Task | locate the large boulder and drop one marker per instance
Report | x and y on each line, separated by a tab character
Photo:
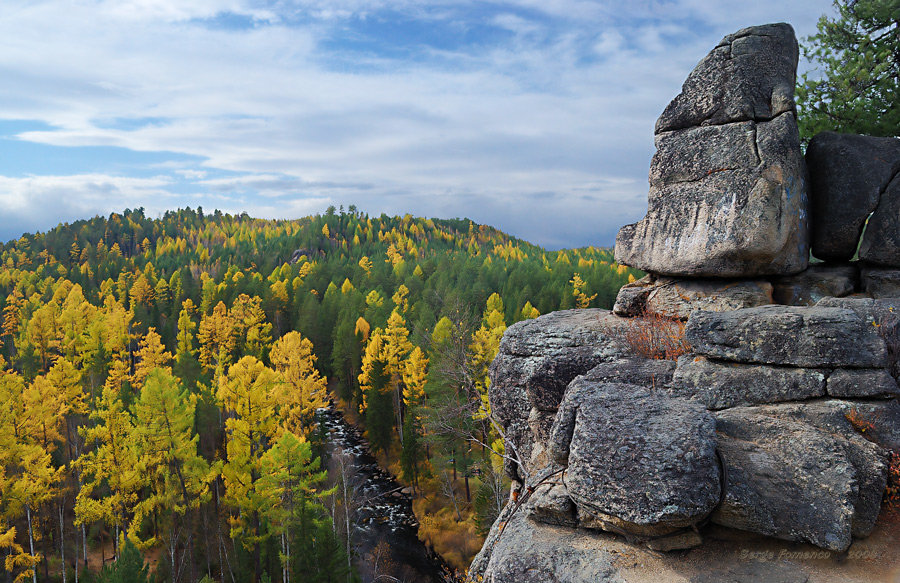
728	183
848	174
881	241
868	460
536	361
785	479
808	337
639	462
677	298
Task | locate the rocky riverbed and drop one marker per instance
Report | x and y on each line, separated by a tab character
383	527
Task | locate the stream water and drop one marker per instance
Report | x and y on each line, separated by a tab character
383	526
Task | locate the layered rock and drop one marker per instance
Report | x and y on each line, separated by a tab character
817	336
851	177
677	298
780	420
727	184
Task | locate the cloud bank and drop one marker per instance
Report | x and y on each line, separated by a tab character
532	116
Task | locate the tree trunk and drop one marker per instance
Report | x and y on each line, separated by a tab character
62	541
31	543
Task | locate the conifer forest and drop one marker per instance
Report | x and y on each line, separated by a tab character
160	381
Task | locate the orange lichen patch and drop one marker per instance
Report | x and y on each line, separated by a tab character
858	421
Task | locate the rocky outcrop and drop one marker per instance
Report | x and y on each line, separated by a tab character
781	418
787	335
536	361
677	298
851	177
785	479
518	550
727	184
638	461
721	385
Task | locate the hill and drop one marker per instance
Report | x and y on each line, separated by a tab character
111	324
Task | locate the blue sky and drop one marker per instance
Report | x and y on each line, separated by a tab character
534	116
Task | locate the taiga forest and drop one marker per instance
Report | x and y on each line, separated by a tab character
161	378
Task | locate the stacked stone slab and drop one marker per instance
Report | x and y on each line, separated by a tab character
728	184
778	354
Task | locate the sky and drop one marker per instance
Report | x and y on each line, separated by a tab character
533	116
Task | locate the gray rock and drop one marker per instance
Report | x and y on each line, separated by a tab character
536	360
728	184
847	175
518	550
550	504
808	337
869	460
818	281
539	357
883	315
833	415
876	382
635	371
750	75
734	223
639	462
881	241
677	298
785	479
878	282
721	385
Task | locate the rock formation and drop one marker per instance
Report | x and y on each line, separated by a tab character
780	419
727	184
853	177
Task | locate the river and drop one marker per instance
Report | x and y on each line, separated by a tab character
383	526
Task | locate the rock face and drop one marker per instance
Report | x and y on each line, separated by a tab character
536	361
638	460
677	298
727	184
849	179
842	490
787	335
781	419
817	282
721	385
523	552
785	479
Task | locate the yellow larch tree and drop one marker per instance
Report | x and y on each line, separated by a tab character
217	339
248	394
484	347
150	355
303	388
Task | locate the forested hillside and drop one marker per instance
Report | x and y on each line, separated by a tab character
160	379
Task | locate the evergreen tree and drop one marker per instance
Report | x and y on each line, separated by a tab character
857	87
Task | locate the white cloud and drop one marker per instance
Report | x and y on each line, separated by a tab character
566	106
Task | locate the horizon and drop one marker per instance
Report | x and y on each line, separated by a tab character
533	118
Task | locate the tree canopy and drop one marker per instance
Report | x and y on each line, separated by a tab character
855	85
